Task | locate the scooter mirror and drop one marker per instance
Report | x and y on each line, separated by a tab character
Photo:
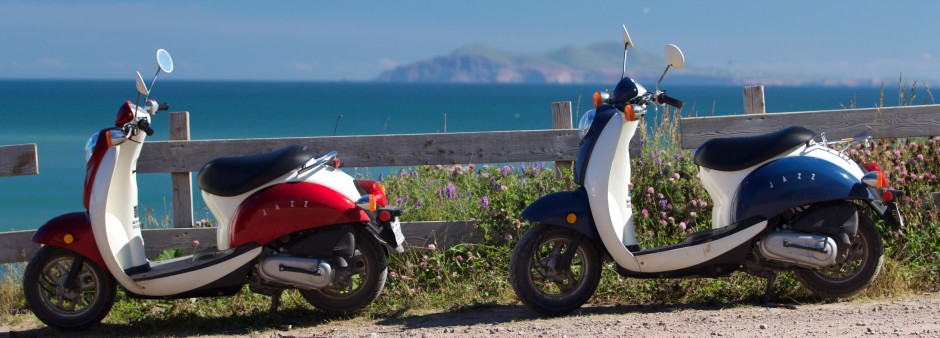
627	43
141	86
674	56
164	61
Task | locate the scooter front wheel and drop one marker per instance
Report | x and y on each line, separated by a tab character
364	280
543	281
62	303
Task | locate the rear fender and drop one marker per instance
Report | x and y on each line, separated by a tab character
76	224
287	208
792	182
556	208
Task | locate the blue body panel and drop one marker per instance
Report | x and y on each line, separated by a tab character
602	115
794	181
554	209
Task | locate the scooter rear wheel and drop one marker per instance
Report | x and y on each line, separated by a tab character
857	272
78	306
540	281
367	273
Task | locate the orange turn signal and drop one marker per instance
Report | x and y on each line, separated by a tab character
372	199
68	238
598	100
629	113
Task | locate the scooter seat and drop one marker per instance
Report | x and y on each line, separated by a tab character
232	176
736	153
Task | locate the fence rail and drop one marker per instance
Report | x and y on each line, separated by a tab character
181	156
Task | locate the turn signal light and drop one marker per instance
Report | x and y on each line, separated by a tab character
629	113
68	238
874	167
598	99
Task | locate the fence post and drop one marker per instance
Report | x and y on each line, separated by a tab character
182	195
754	100
561	119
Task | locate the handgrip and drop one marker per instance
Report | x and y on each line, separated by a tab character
663	98
145	126
163	106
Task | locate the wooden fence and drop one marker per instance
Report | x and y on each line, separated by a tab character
181	156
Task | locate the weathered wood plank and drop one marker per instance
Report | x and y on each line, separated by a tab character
561	119
376	150
754	100
19	160
182	191
17	246
888	122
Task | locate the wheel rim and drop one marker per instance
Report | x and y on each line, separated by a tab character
853	264
68	300
550	279
353	279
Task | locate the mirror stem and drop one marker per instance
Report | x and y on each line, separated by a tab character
661	78
624	72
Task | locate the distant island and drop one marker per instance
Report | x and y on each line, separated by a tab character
597	63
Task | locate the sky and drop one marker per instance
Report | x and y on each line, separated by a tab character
357	40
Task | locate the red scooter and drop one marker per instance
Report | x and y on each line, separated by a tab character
286	219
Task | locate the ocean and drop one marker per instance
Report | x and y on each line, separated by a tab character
59	116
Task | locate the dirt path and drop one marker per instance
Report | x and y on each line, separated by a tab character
917	316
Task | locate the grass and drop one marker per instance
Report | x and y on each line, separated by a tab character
669	203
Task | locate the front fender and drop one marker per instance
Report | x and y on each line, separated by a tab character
795	181
555	209
76	224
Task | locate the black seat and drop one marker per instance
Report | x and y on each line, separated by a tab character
231	176
736	153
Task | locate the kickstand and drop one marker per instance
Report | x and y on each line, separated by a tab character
275	302
769	290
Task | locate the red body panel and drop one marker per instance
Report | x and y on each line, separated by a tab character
79	225
124	114
290	207
91	168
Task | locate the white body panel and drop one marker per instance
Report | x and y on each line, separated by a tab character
111	206
606	182
696	254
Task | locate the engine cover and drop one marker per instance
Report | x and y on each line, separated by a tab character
305	273
805	250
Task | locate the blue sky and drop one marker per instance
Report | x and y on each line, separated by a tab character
356	40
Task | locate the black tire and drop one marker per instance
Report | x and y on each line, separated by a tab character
75	307
857	272
542	285
367	270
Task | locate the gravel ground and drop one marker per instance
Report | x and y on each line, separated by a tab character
916	316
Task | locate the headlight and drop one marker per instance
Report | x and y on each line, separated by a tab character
90	146
586	121
113	137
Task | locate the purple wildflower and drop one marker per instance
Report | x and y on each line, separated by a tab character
485	202
450	191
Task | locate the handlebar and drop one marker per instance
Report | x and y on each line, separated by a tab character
163	106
